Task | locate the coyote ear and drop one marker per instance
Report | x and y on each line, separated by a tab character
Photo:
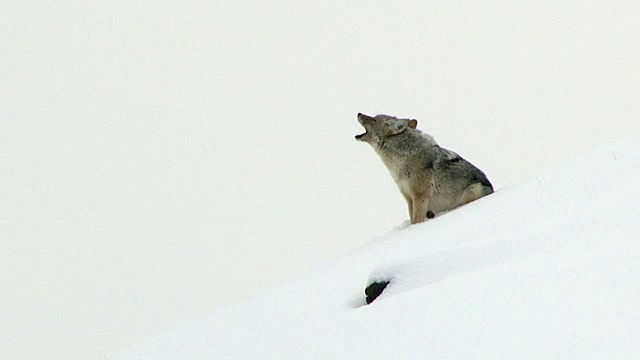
413	123
399	126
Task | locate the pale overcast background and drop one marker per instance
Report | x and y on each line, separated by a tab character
160	161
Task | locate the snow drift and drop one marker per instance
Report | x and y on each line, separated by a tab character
548	268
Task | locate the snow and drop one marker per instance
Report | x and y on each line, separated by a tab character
545	269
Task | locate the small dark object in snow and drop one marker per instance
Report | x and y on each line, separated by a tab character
430	214
374	290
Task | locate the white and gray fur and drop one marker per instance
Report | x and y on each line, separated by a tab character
432	179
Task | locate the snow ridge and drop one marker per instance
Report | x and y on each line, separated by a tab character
547	268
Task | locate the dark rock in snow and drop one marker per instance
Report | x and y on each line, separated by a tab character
374	290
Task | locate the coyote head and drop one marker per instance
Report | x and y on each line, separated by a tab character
380	127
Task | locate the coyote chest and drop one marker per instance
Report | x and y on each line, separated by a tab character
397	166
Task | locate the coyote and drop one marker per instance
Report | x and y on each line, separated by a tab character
432	179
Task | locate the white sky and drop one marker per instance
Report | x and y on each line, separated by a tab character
159	161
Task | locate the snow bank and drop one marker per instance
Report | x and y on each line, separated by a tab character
548	268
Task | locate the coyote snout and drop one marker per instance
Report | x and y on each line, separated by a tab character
432	179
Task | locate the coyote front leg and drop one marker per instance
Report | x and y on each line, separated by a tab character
420	206
407	197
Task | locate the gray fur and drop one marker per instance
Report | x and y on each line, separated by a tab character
431	178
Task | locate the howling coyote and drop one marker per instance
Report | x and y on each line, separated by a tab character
432	179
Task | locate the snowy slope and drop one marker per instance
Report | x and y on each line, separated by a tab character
549	268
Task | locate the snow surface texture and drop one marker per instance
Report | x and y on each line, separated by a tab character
546	269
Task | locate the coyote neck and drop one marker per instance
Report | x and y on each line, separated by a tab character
396	151
406	144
